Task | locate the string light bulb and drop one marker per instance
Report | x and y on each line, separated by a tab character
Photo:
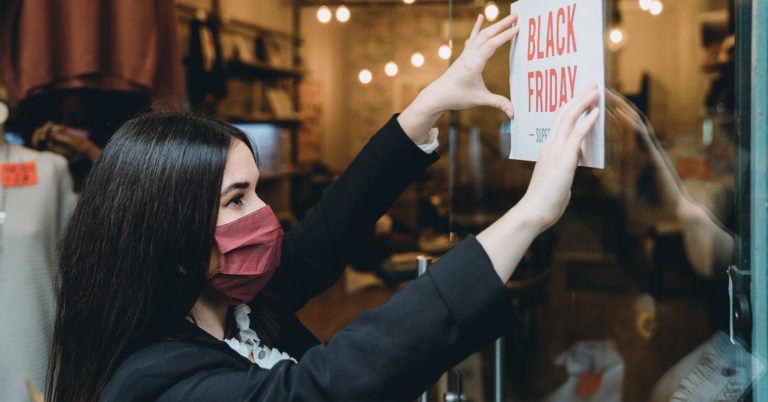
444	52
491	11
417	59
656	7
365	76
408	1
391	69
324	14
616	35
342	13
645	5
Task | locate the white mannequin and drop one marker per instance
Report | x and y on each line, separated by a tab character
35	219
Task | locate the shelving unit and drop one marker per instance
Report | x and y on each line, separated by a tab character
239	68
262	76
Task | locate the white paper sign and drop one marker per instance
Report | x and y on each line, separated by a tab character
557	53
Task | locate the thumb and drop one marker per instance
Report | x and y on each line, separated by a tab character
500	102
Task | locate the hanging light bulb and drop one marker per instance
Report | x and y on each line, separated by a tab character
491	11
656	7
324	14
417	59
616	35
444	52
365	76
645	5
408	1
391	69
342	13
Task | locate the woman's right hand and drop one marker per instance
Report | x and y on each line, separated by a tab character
550	187
507	239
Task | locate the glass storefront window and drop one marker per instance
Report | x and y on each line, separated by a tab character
652	285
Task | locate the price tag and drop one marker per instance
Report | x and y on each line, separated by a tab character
18	174
590	384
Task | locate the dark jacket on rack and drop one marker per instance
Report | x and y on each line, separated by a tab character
392	352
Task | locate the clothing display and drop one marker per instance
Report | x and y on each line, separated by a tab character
392	352
35	217
206	80
118	45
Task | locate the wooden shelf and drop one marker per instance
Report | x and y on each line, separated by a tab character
188	12
262	69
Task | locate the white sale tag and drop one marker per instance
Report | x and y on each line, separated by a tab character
557	53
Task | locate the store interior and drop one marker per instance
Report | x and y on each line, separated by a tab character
616	289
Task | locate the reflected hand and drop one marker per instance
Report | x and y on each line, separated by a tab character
550	188
632	124
462	85
707	243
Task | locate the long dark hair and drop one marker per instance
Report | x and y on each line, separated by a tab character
135	254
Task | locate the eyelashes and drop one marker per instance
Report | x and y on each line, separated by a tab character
236	200
239	199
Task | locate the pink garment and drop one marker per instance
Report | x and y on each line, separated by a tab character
123	45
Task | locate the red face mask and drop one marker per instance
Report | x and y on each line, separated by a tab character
250	253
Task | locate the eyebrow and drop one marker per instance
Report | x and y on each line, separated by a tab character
235	186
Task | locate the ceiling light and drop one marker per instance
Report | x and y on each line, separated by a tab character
417	59
408	1
656	8
491	11
365	76
342	13
444	52
616	35
324	14
391	69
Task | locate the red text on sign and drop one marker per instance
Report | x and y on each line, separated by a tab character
551	88
558	41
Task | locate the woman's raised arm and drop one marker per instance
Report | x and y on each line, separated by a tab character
315	251
506	240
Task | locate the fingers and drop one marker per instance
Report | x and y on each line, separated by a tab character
500	102
580	103
496	28
475	29
490	46
581	129
568	114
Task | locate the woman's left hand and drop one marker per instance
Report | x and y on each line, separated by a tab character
462	85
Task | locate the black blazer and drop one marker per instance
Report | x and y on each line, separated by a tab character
392	352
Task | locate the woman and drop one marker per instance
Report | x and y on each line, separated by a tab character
178	284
